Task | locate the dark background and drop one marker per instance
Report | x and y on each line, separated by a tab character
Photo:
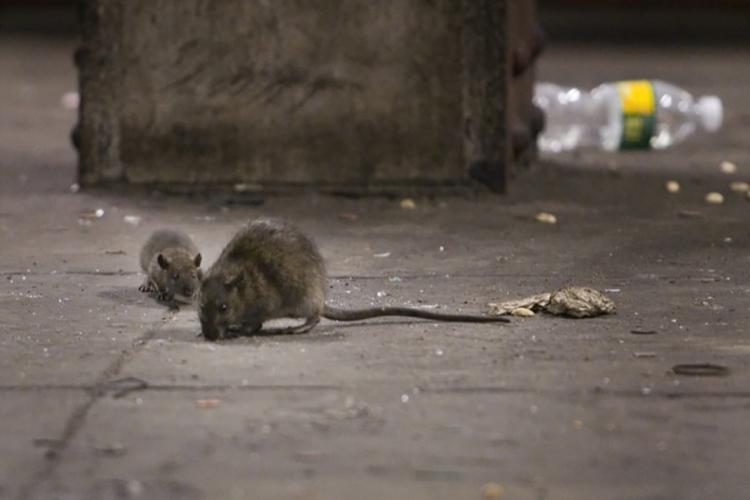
589	21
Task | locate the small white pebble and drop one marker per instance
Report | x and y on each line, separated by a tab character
714	198
133	220
70	100
404	398
438	352
728	167
546	218
242	187
739	187
408	204
135	488
672	187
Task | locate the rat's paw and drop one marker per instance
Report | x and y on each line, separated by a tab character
145	288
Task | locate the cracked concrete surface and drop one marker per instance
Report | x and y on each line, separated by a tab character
106	395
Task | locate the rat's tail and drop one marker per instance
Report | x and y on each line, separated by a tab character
375	312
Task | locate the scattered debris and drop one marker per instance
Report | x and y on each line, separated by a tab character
395	279
133	220
492	491
579	302
575	302
408	204
243	187
643	332
534	303
739	187
612	290
645	354
381	294
74	188
690	214
672	187
714	198
92	214
115	252
382	255
728	167
701	370
522	312
207	403
349	217
546	218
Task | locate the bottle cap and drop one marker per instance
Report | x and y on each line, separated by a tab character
711	112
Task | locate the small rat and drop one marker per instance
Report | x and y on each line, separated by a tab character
271	270
172	263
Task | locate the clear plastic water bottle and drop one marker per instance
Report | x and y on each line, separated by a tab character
635	114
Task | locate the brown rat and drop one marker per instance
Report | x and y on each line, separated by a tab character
171	262
271	270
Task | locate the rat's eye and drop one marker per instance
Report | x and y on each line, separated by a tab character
222	308
175	276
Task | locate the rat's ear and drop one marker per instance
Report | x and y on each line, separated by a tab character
197	260
163	261
235	281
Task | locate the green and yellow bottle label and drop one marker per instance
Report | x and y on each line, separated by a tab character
638	104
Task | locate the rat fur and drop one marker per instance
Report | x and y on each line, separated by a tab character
171	262
271	270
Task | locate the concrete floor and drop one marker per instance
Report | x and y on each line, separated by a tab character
106	395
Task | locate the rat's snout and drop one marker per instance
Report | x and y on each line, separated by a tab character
211	331
188	291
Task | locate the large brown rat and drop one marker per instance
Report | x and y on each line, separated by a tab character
271	270
171	262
